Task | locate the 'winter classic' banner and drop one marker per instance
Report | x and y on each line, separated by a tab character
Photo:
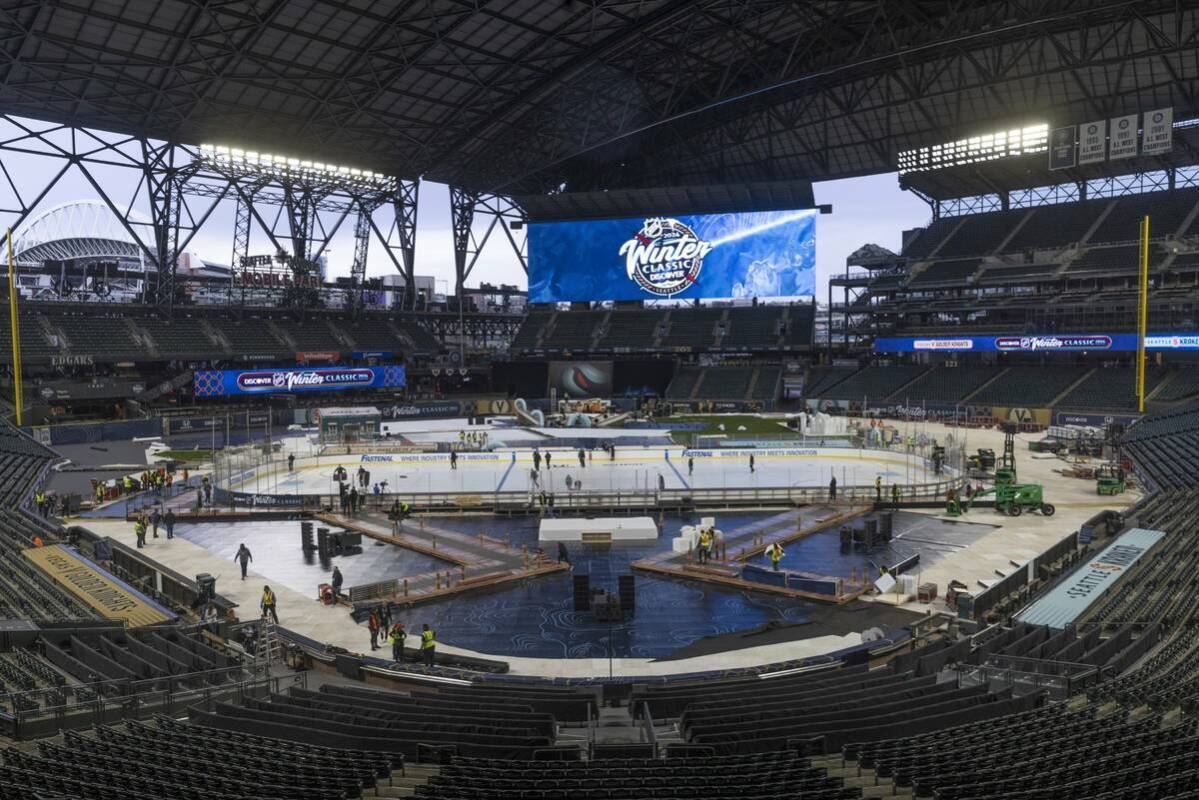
1051	343
222	382
751	254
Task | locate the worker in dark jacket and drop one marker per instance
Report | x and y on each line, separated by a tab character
398	634
337	582
243	557
372	625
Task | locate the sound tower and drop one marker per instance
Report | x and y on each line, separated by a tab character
582	593
628	594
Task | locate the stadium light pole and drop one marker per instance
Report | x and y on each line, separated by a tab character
15	323
1142	312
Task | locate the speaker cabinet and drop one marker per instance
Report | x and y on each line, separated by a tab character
628	594
582	592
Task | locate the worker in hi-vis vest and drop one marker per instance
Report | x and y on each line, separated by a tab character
268	604
428	645
775	551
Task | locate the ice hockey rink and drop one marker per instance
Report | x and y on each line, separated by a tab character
644	460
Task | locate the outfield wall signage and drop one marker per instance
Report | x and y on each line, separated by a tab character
226	382
1092	420
252	500
416	458
422	410
235	422
931	411
1050	343
314	356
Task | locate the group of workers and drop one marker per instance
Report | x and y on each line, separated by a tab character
706	544
476	439
379	624
349	498
350	501
47	503
157	480
878	490
150	522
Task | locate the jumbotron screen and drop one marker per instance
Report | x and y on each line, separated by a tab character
750	254
578	380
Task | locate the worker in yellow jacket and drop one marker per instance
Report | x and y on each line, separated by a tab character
428	645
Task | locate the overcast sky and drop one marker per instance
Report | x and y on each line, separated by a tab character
871	209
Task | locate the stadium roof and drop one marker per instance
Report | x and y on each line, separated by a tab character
530	95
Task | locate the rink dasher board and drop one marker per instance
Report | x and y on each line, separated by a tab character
640	455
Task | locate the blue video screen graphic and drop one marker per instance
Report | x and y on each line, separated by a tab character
750	254
224	382
1045	343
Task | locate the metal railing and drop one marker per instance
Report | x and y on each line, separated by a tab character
258	469
588	500
1061	679
253	476
148	499
41	712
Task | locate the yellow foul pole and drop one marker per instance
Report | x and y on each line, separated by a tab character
1142	312
15	323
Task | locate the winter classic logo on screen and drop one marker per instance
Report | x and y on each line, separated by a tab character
288	380
665	256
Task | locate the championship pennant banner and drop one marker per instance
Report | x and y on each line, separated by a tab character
1061	148
1123	137
1092	142
1158	136
1112	139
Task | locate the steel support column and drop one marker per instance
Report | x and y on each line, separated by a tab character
466	207
462	220
162	178
362	240
405	204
